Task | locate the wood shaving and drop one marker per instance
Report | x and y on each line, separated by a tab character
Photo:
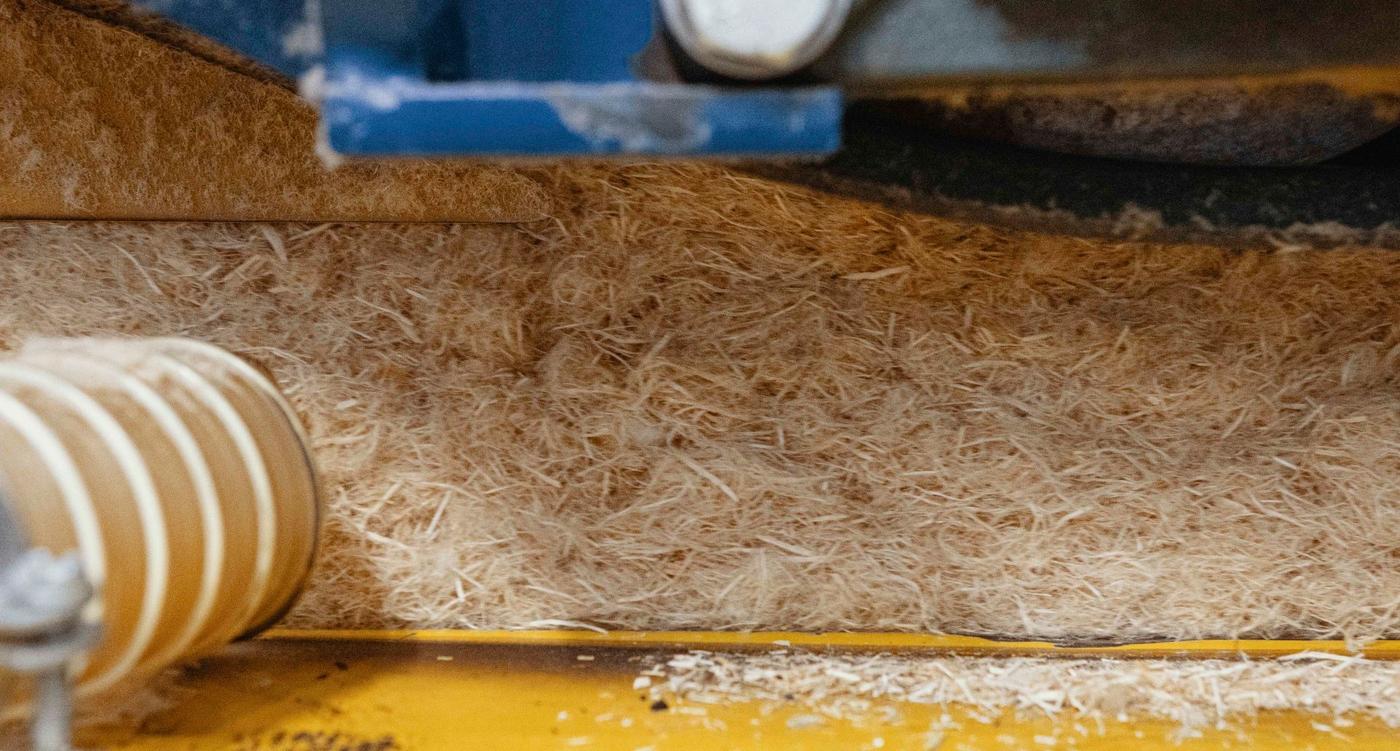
666	409
1192	693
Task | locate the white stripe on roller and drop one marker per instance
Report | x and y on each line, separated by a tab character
242	437
205	492
266	387
234	362
65	472
148	509
78	501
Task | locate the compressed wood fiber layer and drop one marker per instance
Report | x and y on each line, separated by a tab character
699	400
99	121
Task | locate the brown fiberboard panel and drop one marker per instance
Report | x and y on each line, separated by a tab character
98	121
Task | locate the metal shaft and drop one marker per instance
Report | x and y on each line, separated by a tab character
51	726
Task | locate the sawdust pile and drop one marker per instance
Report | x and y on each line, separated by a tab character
698	400
1192	694
99	121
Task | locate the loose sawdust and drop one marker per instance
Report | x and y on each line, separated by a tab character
1193	694
697	400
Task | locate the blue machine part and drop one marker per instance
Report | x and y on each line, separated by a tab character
284	35
506	78
367	114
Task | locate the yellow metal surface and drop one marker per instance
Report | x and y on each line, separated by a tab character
376	691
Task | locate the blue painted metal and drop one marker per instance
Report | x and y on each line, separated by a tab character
508	77
284	35
536	78
554	40
400	116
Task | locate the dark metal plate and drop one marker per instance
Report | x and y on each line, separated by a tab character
888	159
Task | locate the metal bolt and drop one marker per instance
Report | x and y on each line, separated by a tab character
42	597
755	39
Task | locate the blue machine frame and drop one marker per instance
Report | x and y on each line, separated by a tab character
505	78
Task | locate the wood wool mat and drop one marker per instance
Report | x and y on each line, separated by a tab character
699	400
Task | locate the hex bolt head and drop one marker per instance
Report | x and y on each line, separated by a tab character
754	39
